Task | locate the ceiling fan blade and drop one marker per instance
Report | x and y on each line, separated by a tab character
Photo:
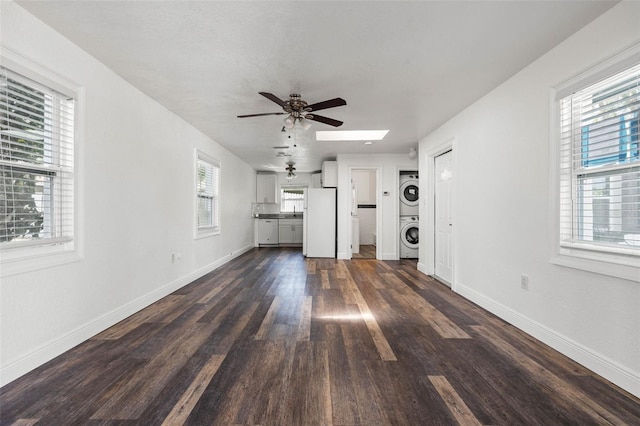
325	120
259	115
331	103
273	98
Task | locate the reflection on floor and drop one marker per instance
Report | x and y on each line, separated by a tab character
366	252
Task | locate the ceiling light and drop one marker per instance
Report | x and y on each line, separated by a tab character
305	124
368	143
351	135
289	121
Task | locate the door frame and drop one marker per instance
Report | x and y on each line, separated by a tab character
378	208
427	262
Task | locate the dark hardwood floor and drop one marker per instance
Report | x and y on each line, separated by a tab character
273	338
366	251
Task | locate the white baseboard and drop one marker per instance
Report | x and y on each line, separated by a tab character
609	369
55	347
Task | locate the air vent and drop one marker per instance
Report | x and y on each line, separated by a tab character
281	147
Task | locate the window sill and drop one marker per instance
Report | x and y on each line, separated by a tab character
37	260
208	232
619	265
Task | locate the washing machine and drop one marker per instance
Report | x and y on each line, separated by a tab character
409	194
409	233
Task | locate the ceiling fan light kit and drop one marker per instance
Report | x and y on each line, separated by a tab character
289	122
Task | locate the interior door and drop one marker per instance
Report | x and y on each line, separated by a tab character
444	218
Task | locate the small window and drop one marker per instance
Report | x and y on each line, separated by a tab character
207	195
37	166
600	165
292	200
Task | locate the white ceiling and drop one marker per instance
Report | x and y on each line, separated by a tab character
402	66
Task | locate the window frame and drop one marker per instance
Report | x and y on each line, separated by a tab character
283	199
202	231
30	255
620	262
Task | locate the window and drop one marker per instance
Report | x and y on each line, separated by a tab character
292	200
207	195
37	164
600	165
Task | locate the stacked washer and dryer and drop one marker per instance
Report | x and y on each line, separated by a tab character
409	219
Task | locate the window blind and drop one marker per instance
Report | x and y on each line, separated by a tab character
292	200
36	162
600	163
207	190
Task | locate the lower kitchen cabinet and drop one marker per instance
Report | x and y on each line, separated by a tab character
290	231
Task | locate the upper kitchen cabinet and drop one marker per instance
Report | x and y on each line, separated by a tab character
267	188
330	174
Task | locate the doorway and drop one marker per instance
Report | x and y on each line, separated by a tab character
364	213
443	226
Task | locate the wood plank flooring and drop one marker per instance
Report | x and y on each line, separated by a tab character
365	251
272	338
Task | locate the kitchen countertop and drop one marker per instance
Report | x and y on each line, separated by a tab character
280	216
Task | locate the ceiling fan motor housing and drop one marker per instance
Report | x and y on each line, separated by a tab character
296	106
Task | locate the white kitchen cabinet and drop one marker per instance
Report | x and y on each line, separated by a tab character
330	174
267	231
267	188
290	231
297	231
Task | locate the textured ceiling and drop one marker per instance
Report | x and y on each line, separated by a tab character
402	66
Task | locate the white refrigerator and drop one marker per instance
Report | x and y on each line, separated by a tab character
319	238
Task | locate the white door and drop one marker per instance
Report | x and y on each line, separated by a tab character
444	222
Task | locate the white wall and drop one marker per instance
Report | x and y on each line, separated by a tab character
387	206
503	209
137	180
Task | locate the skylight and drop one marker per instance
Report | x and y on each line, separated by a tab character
351	135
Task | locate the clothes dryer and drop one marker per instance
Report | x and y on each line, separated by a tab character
409	195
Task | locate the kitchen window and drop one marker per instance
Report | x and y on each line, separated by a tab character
600	168
37	131
291	200
207	195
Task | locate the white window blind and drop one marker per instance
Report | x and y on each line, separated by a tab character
36	162
600	165
292	200
207	194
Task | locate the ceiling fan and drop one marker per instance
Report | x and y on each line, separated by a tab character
290	169
299	110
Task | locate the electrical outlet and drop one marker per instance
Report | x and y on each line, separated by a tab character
524	282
